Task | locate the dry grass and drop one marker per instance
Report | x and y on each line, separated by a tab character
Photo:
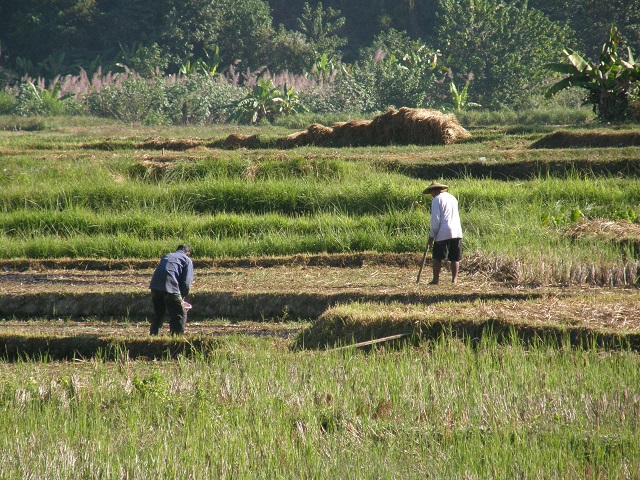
564	139
347	299
406	126
583	318
618	230
140	330
238	140
288	284
170	144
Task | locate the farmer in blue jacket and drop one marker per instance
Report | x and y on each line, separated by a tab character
170	283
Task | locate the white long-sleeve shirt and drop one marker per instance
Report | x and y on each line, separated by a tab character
445	219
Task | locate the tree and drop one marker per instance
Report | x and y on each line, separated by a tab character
246	32
320	27
398	71
79	31
503	45
366	19
591	20
607	81
290	51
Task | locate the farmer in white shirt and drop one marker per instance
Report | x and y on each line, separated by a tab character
446	232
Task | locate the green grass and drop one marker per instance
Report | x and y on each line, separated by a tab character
309	214
59	198
533	117
250	410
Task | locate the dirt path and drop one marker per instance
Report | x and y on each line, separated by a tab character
249	293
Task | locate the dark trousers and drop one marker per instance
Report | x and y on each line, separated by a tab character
164	302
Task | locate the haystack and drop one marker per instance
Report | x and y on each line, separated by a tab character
395	127
352	133
237	140
430	127
401	127
319	134
564	139
296	139
385	128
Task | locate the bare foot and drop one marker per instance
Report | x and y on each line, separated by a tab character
433	282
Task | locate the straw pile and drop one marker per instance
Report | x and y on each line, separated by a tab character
354	133
395	127
407	126
562	139
619	230
237	140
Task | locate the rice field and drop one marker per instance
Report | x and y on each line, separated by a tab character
248	409
527	368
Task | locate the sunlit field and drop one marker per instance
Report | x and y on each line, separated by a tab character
527	368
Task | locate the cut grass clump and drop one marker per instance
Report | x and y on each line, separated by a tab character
579	322
406	126
170	144
586	139
619	230
553	269
171	169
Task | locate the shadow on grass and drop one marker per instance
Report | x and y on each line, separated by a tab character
15	348
334	333
231	305
523	170
322	335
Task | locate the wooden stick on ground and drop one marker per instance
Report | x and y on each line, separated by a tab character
372	342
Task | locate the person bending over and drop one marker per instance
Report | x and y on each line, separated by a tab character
169	285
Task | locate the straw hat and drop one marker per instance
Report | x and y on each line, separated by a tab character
435	186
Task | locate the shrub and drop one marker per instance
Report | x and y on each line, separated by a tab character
201	99
265	102
395	71
36	100
135	101
8	102
345	93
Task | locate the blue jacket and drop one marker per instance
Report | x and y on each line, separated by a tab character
174	274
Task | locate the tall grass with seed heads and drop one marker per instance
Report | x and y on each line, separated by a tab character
248	409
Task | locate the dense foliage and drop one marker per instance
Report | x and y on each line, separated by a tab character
344	56
607	82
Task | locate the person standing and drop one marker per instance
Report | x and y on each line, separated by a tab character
445	234
169	285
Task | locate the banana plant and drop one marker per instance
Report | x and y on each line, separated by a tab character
261	102
460	99
266	101
290	104
607	81
207	66
323	65
36	100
